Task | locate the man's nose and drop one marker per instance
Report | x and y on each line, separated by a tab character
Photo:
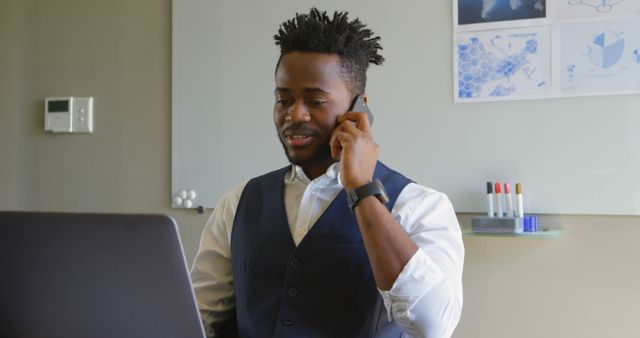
299	112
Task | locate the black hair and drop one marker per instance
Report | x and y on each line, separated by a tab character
351	40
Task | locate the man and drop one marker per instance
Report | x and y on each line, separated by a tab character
313	250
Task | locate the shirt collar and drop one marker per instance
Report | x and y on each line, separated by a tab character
332	173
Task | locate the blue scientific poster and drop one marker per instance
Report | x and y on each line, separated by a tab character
598	58
487	11
502	65
576	10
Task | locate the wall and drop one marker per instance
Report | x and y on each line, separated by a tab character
554	147
583	284
117	51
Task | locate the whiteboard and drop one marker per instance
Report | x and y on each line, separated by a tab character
572	155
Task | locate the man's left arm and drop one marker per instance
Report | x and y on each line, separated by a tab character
423	293
416	254
426	297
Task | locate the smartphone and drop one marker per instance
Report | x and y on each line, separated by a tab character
358	105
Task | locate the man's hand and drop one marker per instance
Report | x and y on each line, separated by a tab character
352	144
388	246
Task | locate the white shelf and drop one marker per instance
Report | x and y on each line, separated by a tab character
542	233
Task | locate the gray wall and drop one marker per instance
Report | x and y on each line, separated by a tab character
573	155
584	284
117	51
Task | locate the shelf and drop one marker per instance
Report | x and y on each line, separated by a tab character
542	233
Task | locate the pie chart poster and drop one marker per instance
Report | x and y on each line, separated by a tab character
598	57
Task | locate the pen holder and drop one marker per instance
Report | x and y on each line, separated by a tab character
497	225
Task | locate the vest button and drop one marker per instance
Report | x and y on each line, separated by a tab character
292	292
294	263
287	322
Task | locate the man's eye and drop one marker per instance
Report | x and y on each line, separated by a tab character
316	102
283	102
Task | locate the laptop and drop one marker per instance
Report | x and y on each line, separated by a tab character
94	276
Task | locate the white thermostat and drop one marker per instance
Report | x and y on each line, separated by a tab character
68	114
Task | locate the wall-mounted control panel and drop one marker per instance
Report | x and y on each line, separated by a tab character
68	114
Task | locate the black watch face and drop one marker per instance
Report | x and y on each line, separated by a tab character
352	197
383	197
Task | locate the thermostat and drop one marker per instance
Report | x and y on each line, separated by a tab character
68	114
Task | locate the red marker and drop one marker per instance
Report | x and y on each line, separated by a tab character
498	204
507	196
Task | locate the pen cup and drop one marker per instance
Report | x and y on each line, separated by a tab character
497	225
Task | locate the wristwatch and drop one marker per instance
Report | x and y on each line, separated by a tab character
372	188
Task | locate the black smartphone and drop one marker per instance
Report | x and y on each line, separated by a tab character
359	105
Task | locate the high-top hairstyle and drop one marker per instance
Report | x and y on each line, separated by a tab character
350	40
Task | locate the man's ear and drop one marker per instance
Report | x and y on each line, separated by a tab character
365	97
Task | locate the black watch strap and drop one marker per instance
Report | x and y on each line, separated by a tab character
372	188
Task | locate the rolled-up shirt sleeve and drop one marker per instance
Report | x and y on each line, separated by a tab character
426	298
211	274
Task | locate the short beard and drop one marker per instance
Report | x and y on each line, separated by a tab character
323	155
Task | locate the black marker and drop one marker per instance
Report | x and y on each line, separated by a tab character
490	199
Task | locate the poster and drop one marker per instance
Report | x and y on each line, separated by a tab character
470	15
598	57
595	9
528	49
502	65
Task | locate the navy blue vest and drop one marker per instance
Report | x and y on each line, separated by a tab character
322	288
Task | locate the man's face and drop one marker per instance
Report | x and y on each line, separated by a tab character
309	96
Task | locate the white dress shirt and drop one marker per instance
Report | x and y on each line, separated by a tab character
426	298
